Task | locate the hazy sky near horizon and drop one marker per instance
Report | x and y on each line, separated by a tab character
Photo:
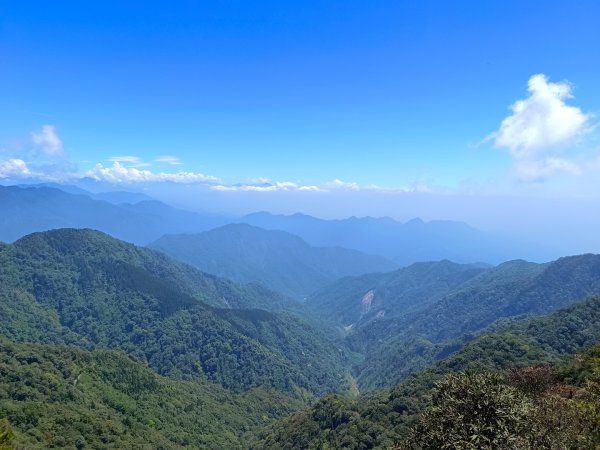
279	104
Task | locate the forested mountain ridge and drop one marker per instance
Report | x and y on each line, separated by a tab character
398	320
86	288
354	300
63	396
69	294
276	259
57	396
508	290
518	356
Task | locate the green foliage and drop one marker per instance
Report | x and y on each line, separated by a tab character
537	406
474	411
396	293
334	422
471	410
7	435
531	340
80	295
83	287
54	396
396	345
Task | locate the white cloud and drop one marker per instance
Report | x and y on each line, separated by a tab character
266	187
131	161
48	141
539	128
125	159
339	184
126	169
118	173
263	185
14	168
311	188
169	159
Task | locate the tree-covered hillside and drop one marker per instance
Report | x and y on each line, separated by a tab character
56	396
354	301
83	287
519	371
109	345
276	259
401	321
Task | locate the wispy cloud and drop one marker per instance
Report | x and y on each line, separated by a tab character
48	141
48	162
169	159
540	128
266	187
345	185
42	158
131	161
336	185
117	173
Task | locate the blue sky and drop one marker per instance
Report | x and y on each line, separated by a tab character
288	95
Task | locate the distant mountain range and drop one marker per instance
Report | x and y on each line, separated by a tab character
139	219
116	197
276	259
135	219
403	243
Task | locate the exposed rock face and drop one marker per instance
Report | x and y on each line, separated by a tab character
367	301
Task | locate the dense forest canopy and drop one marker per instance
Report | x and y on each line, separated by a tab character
109	345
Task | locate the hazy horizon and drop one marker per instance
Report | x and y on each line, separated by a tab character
398	110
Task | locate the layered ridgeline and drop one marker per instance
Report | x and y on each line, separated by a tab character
56	396
403	243
356	301
515	378
400	321
62	396
138	218
116	197
276	259
85	288
132	217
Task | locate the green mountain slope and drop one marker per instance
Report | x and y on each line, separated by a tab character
55	396
409	343
276	259
357	300
382	418
530	340
400	321
86	288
